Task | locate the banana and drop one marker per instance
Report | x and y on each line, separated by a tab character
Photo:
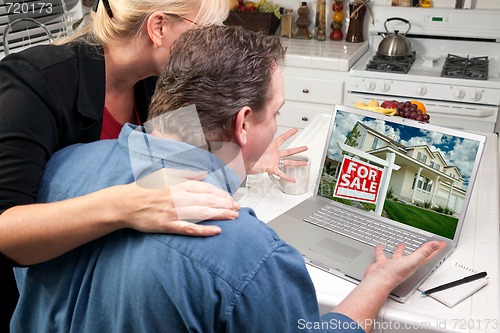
259	3
379	109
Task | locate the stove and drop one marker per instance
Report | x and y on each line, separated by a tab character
475	68
391	64
455	66
454	70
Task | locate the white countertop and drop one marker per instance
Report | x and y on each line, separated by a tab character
478	248
328	55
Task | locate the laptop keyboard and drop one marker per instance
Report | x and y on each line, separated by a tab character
364	230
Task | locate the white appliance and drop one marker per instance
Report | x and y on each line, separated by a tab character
470	104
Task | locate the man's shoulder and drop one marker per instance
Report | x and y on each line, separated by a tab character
83	154
245	246
246	233
84	168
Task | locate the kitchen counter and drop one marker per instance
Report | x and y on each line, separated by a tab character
478	248
328	55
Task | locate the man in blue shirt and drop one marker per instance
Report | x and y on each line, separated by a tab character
244	280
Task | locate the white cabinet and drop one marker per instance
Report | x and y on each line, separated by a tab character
309	92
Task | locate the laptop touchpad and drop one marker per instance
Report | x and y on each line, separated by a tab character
335	250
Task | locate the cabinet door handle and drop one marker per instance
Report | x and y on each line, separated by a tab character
305	91
304	119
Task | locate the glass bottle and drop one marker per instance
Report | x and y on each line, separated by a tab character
357	10
286	23
320	32
302	22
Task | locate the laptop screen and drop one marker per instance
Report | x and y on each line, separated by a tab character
408	172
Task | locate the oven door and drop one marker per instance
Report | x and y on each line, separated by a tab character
470	117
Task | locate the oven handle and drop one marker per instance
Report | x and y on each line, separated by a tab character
477	111
473	112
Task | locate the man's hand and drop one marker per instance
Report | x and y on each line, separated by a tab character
270	160
395	270
364	302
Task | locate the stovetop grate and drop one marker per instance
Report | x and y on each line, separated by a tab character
391	64
465	68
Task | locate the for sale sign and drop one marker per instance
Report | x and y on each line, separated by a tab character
358	181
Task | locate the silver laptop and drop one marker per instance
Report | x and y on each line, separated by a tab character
384	180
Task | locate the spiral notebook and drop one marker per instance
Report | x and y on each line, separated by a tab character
453	296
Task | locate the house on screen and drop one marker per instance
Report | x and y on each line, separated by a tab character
424	176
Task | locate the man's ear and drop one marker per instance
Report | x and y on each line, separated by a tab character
155	26
242	126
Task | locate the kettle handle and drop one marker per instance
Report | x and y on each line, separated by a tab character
397	19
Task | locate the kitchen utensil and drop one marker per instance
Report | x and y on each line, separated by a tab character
395	44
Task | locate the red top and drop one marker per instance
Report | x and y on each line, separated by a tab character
111	127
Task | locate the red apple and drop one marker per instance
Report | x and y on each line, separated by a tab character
389	104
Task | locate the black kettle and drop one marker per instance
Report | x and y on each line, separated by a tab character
395	44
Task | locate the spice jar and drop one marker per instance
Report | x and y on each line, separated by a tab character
320	32
286	23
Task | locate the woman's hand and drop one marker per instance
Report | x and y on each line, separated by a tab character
270	160
172	201
30	234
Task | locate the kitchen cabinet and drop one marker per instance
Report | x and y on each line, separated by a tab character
315	74
309	92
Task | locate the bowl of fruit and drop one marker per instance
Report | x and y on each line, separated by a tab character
256	16
412	109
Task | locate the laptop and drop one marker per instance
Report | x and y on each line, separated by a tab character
383	180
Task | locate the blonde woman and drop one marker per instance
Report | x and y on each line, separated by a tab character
83	90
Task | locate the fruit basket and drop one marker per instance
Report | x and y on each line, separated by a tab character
266	22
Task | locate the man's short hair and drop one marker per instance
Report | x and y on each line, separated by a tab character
219	69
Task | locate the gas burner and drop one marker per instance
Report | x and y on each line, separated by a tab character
391	64
465	67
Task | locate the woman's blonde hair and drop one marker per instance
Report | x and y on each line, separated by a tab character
130	15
